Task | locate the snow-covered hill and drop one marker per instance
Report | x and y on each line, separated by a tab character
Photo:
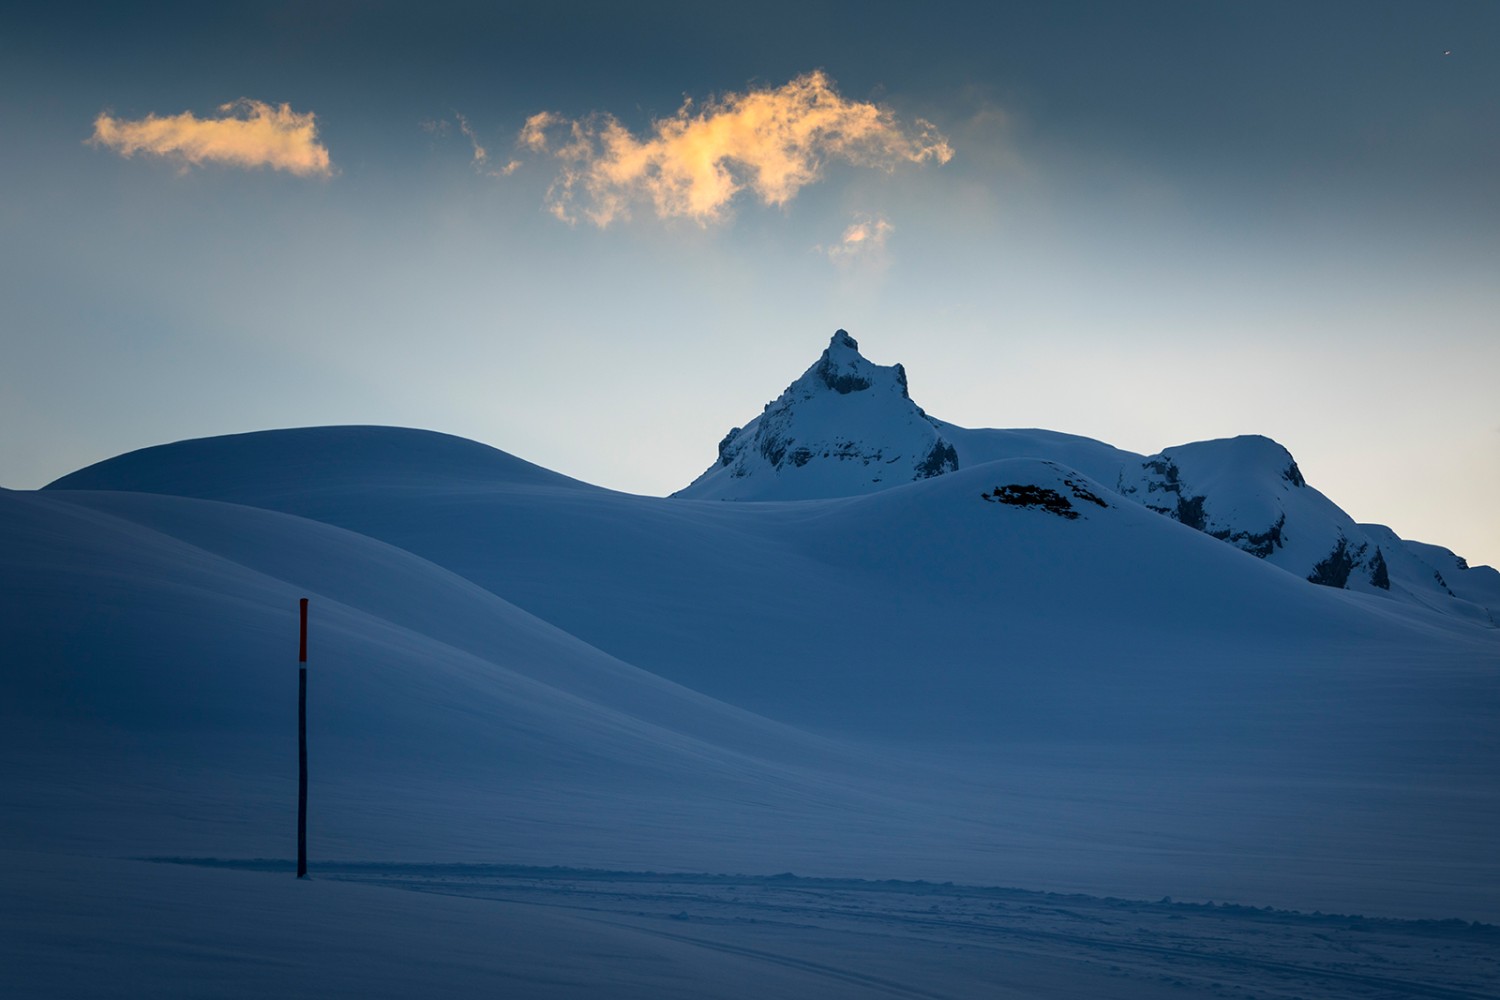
1248	491
261	467
150	666
848	427
1006	673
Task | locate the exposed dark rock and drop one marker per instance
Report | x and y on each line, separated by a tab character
1190	512
724	456
1293	475
1334	569
1167	469
1257	543
1379	575
1027	495
1082	492
943	458
842	382
901	381
773	447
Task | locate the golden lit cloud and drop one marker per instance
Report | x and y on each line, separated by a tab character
534	132
246	134
864	237
773	141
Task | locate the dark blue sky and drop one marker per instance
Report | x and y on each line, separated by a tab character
1301	89
1160	222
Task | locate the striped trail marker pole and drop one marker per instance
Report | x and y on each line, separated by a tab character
302	746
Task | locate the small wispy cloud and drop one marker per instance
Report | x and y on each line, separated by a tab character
481	156
247	133
864	237
773	141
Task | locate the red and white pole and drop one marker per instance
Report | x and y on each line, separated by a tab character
302	746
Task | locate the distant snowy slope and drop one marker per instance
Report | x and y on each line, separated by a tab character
1249	492
263	465
1478	585
1093	458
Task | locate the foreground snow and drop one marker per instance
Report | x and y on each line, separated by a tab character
88	927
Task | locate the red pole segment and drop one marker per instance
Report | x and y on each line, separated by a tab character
302	746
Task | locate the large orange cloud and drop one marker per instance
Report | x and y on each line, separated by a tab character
246	134
691	165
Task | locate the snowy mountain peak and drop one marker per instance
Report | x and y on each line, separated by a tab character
845	426
844	370
842	341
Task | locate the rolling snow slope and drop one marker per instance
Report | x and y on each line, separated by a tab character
147	701
961	686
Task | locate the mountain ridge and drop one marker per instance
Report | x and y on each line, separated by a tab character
847	426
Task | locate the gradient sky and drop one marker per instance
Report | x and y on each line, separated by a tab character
1160	222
